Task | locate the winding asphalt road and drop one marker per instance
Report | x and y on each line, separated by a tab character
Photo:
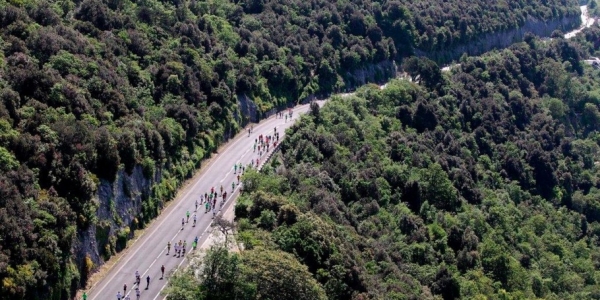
149	252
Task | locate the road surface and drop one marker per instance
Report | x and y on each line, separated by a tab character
149	252
586	22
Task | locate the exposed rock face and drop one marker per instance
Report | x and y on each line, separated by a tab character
375	73
119	203
248	109
503	39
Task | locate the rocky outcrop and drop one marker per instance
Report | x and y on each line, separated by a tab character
118	203
502	39
373	73
248	109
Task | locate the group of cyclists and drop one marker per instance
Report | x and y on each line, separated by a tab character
262	144
286	115
209	200
180	247
137	283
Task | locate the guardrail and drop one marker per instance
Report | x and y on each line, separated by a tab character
269	155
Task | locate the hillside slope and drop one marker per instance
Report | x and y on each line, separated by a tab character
91	90
483	183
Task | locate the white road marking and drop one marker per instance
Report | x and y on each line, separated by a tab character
200	246
165	217
202	234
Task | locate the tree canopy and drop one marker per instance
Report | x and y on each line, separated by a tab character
90	89
253	274
484	185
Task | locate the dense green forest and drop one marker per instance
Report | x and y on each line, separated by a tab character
91	87
479	184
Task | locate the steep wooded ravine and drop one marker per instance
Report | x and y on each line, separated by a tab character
108	106
483	184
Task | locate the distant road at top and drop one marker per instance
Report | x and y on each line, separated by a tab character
586	22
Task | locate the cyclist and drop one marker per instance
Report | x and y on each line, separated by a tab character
187	214
168	247
194	220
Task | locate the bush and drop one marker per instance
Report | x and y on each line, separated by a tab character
148	168
89	266
122	237
267	219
